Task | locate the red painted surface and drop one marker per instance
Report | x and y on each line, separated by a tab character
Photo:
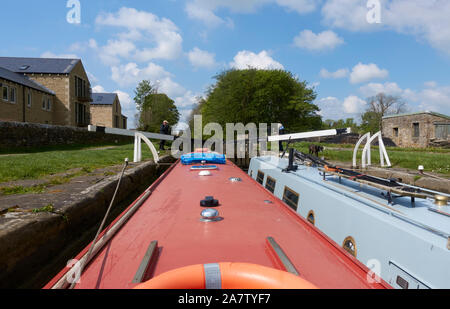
171	216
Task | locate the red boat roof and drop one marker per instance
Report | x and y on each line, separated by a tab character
171	216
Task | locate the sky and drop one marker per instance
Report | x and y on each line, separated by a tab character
348	50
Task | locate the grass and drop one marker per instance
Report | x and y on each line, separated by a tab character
435	160
39	163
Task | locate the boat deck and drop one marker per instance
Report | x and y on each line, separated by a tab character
171	216
422	213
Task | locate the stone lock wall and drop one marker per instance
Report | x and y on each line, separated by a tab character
19	134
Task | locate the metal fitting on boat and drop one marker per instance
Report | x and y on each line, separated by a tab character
441	200
235	179
210	215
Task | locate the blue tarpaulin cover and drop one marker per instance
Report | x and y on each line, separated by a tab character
198	157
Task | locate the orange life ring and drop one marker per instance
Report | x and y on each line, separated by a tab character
229	275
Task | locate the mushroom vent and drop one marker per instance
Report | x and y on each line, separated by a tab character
209	201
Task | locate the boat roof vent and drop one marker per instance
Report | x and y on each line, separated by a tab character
209	201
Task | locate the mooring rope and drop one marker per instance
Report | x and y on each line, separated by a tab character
102	224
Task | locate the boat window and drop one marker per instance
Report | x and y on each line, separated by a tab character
310	217
402	283
260	177
349	245
270	184
290	197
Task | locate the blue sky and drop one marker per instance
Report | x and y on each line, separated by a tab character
181	45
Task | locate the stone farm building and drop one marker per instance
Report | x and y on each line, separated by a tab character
106	111
53	91
417	130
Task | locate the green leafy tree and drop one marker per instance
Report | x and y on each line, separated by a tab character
144	89
261	96
370	122
156	109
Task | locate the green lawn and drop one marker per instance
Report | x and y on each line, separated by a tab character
38	163
433	159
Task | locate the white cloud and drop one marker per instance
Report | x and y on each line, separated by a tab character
365	72
140	25
424	19
201	59
326	40
436	98
49	54
333	108
353	105
126	101
130	74
262	61
299	6
432	97
372	89
110	53
205	10
98	89
341	73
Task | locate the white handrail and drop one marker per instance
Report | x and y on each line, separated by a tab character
383	153
138	137
355	151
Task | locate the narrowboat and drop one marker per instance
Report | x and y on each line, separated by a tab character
401	232
206	224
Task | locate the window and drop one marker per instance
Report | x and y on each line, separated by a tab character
290	197
12	94
5	93
124	123
29	98
260	177
402	283
310	217
416	131
44	103
270	184
80	114
349	245
49	104
395	132
81	88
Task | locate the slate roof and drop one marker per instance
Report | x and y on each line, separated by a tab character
418	113
103	98
38	65
23	80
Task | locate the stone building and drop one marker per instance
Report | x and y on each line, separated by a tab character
106	111
417	130
66	78
24	100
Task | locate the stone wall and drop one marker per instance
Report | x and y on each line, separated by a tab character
19	134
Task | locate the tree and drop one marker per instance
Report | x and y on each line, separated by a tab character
261	96
370	122
144	89
197	110
156	109
379	106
